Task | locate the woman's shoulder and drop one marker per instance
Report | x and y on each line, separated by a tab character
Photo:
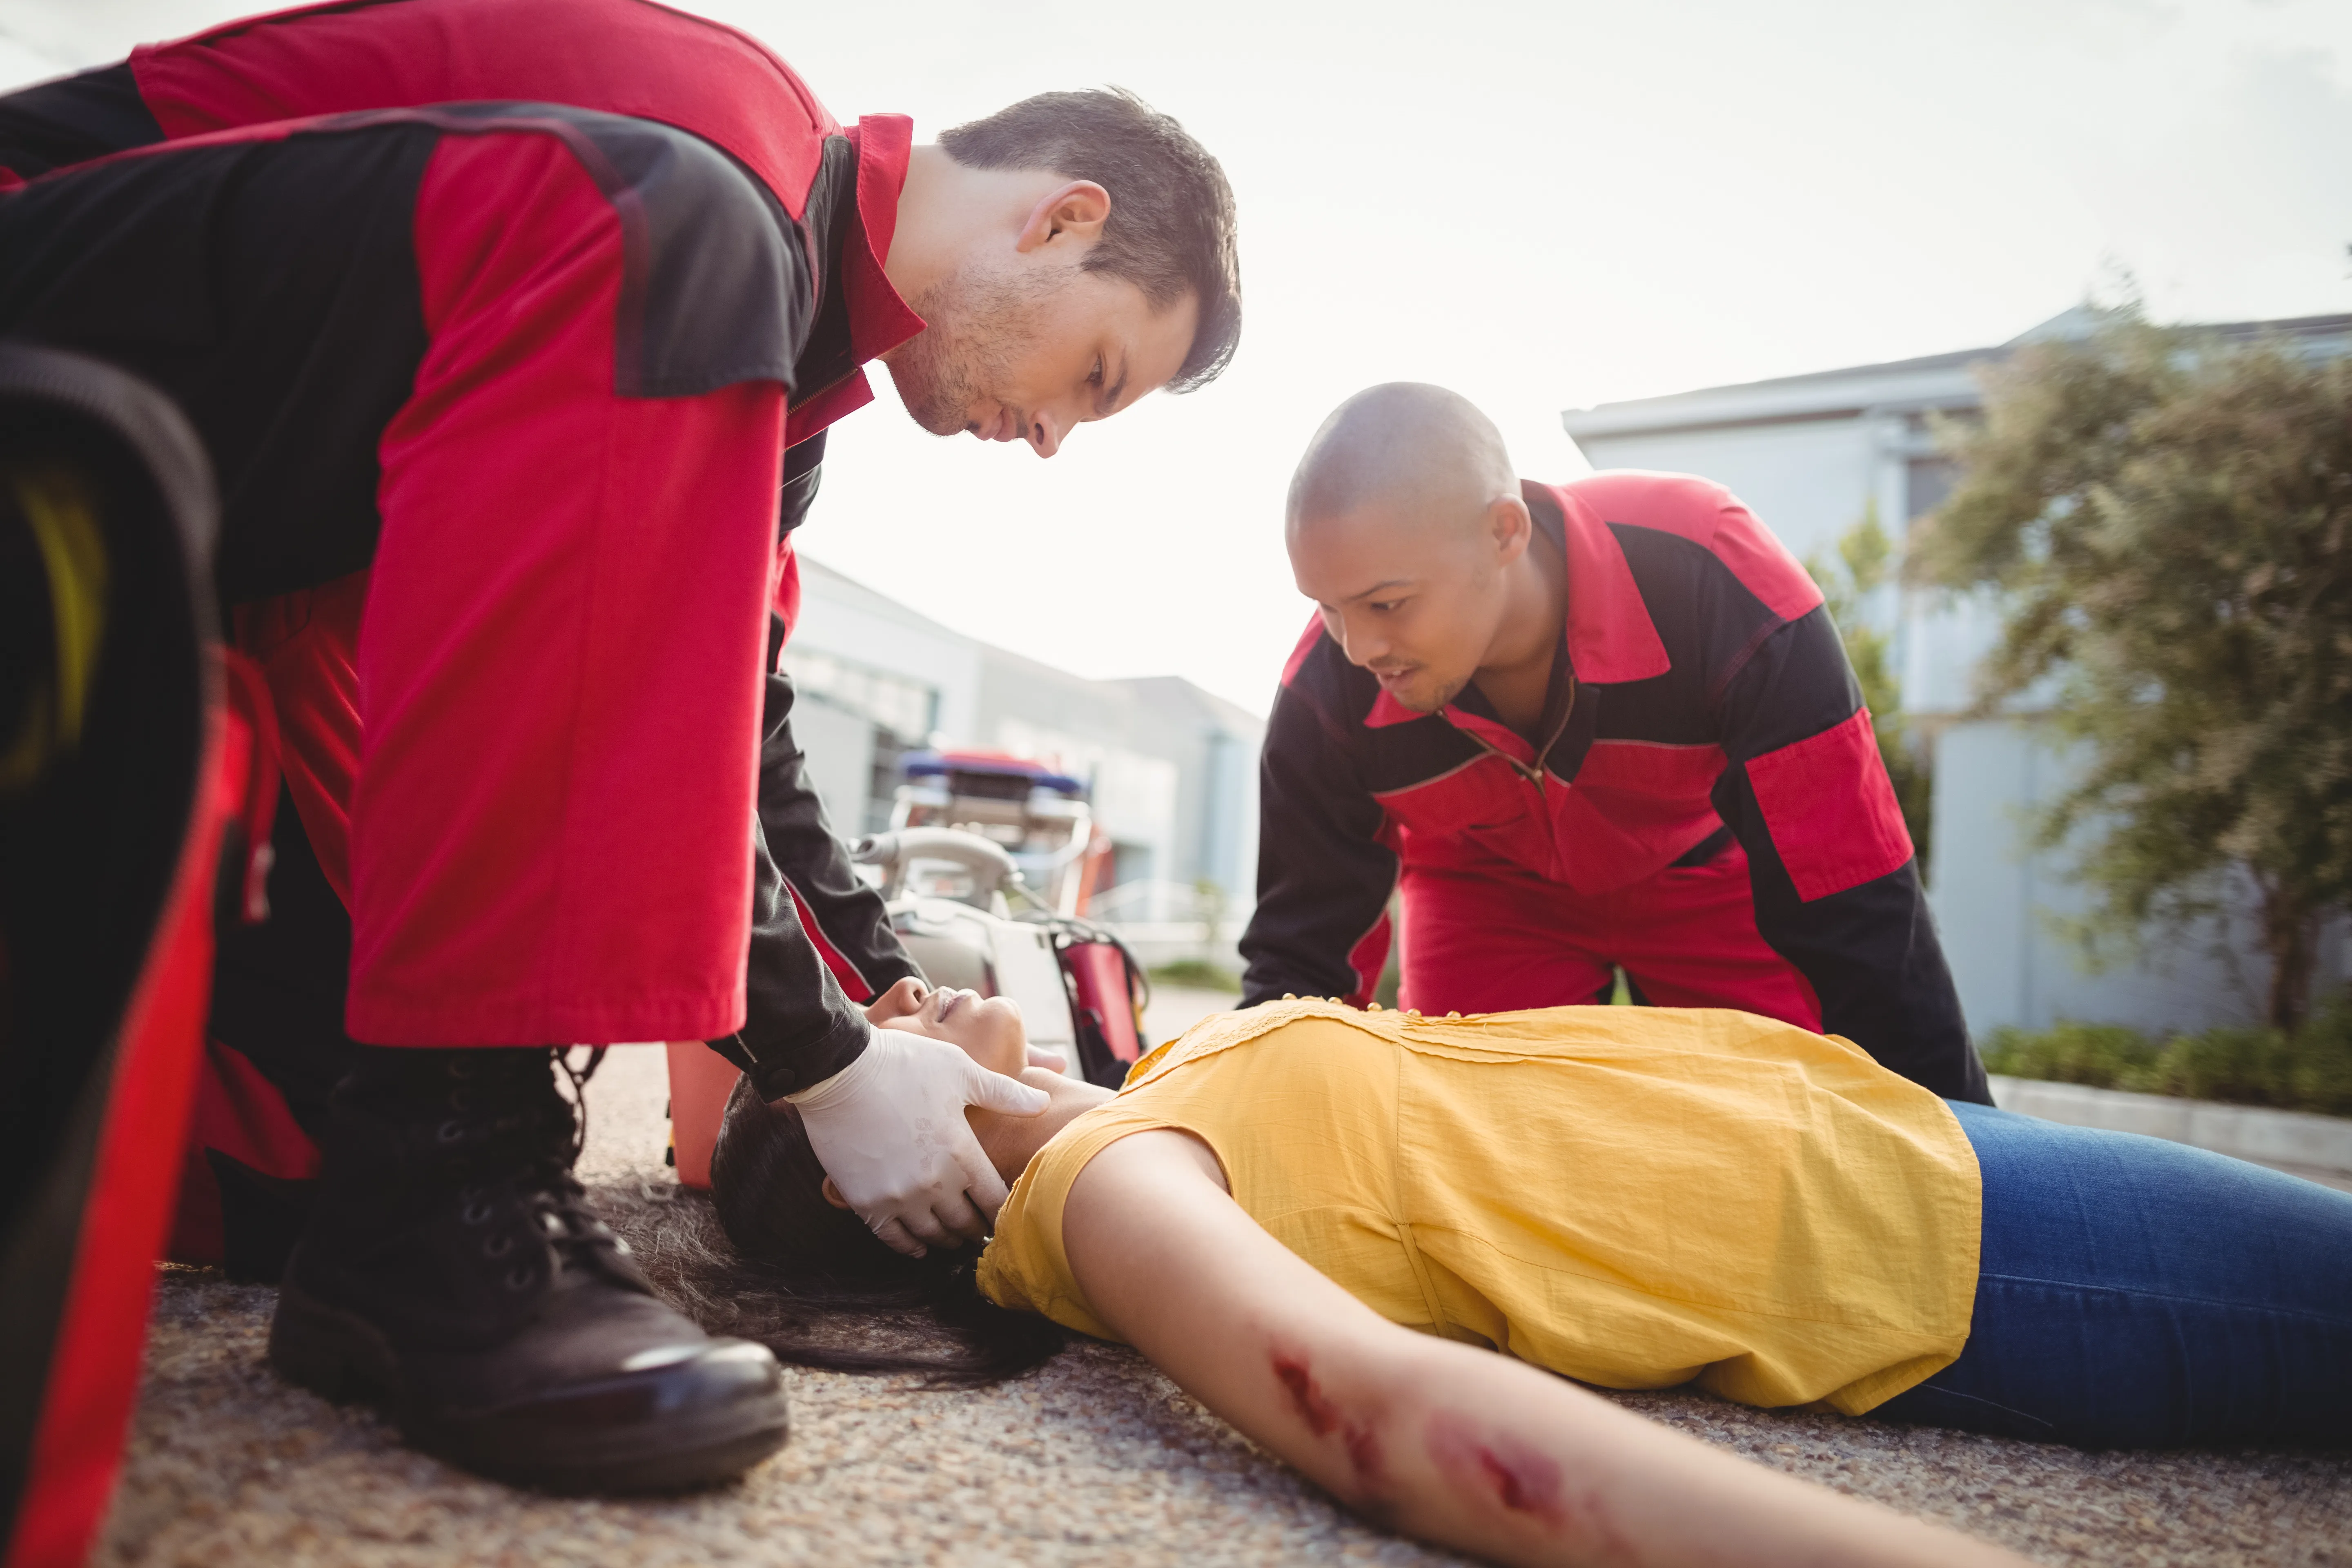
1532	1031
1024	1266
1225	1031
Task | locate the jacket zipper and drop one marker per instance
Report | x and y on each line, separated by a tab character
1533	775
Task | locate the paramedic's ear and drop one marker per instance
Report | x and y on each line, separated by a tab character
900	1001
1072	213
1511	526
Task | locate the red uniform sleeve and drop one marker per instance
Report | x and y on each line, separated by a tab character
1830	862
1831	808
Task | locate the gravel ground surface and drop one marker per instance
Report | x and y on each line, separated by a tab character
1093	1460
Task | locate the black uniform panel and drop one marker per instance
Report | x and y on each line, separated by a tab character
74	120
278	987
271	289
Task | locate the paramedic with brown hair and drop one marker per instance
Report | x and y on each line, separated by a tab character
499	319
1576	728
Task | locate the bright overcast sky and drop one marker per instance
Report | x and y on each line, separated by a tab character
1543	206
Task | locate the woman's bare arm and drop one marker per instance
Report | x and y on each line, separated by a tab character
1436	1439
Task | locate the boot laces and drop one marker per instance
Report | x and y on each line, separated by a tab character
576	1234
555	1206
550	1196
579	1077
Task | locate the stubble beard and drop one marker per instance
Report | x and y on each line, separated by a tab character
1440	697
978	324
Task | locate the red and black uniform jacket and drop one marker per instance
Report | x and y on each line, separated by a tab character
1700	694
815	926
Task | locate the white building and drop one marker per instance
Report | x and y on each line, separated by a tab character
1810	455
1171	769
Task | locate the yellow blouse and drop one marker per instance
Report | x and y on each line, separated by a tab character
1635	1197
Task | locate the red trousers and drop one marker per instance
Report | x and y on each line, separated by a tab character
524	744
1685	938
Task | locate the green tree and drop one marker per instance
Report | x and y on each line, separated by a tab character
1865	565
2169	517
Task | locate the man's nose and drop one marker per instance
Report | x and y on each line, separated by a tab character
1046	433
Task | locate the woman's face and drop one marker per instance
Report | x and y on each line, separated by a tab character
987	1029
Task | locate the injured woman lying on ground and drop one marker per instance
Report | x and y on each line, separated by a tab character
1626	1198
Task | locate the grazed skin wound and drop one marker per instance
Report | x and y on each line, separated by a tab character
1527	1482
1522	1479
1323	1418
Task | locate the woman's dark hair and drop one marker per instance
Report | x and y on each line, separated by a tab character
812	1283
1172	229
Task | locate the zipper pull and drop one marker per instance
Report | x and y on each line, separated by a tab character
249	691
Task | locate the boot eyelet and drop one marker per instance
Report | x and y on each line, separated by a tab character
450	1131
498	1247
520	1279
461	1100
477	1214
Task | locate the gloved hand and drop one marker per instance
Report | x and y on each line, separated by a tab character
890	1130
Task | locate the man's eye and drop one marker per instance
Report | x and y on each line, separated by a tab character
1095	379
1385	606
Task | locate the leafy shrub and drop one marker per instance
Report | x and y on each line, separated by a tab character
2103	1056
1195	973
2309	1068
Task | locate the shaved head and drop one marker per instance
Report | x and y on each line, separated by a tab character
1407	449
1407	528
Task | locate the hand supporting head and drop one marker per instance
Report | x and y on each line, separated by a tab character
914	1149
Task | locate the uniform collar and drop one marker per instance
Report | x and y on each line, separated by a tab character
879	320
1610	636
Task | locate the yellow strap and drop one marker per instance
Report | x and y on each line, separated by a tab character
58	508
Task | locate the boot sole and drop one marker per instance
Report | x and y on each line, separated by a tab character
687	1440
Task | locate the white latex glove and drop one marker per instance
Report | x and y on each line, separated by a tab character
890	1130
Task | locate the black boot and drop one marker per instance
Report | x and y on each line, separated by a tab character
453	1273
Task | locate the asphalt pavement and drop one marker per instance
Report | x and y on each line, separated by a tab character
1094	1459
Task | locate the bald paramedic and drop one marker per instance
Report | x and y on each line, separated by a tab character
1573	728
512	328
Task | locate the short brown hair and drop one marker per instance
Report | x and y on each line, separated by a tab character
1172	225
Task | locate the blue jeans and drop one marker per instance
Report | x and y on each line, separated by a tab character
2135	1293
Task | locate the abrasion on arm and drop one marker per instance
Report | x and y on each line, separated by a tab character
1436	1439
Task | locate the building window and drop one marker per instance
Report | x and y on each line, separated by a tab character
1927	482
883	781
907	709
